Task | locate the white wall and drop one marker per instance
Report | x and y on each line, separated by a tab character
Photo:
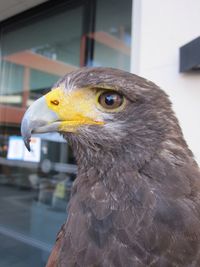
161	28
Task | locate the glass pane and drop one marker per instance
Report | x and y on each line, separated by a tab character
34	187
112	34
11	84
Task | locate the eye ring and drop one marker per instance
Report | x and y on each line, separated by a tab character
110	100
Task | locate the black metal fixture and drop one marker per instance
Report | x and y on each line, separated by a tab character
190	56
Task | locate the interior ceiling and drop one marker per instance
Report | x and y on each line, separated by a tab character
10	8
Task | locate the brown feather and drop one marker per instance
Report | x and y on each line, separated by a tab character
136	199
53	258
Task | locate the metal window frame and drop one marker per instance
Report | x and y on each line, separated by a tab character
12	115
53	7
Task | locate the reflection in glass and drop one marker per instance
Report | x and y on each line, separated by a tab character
112	34
35	187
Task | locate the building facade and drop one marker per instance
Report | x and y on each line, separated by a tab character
40	42
39	46
160	29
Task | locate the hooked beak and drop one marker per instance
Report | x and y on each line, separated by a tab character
59	111
34	122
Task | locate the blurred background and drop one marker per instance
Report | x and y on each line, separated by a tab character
43	40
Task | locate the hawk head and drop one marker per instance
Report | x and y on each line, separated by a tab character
104	110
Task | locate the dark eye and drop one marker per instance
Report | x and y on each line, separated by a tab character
110	100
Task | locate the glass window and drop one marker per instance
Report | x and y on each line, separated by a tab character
34	187
112	36
36	50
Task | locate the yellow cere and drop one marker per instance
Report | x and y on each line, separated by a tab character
74	108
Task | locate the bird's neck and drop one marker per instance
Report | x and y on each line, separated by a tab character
118	173
106	178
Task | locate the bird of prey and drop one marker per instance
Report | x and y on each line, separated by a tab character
136	199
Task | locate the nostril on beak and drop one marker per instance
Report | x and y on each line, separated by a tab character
55	102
